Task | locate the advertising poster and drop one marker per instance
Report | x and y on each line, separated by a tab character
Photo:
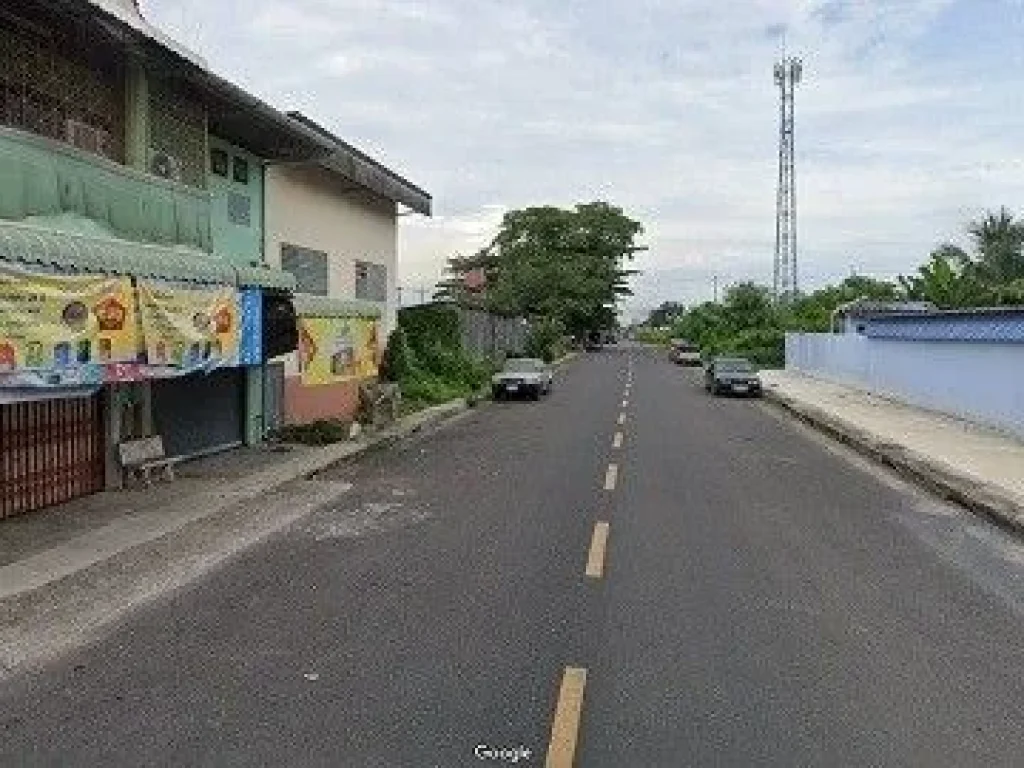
188	328
336	349
61	330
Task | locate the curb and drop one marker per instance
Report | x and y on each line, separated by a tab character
53	616
980	498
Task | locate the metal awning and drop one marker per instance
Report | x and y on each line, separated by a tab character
265	277
31	245
307	305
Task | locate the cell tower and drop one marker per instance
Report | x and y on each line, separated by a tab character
788	72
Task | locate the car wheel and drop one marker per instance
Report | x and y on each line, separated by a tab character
535	394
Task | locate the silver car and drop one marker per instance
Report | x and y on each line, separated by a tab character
522	376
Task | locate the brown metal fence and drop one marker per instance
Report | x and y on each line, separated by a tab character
50	451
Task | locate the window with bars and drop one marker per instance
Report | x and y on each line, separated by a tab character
371	281
52	88
308	267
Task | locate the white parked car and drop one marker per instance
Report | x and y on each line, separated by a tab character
521	376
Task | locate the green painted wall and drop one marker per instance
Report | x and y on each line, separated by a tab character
240	244
41	178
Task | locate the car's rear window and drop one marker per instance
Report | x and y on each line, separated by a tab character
734	366
523	365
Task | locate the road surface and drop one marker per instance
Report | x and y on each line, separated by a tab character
628	573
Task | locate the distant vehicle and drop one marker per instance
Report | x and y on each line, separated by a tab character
732	376
684	353
522	376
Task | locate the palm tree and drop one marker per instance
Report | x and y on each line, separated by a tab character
999	242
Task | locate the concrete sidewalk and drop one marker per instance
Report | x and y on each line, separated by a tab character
970	464
38	549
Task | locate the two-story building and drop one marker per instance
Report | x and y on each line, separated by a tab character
136	295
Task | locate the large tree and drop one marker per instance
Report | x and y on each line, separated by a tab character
564	265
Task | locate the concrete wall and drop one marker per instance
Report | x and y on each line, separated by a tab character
309	207
486	335
979	381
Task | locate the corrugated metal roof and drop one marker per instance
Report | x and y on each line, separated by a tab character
265	277
27	244
307	305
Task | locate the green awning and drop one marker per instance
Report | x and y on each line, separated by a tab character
27	244
327	306
265	277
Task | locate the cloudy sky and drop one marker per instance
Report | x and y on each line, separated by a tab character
908	121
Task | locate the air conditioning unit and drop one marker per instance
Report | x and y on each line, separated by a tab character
165	165
88	137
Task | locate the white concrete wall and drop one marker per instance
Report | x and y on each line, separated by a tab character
976	380
309	207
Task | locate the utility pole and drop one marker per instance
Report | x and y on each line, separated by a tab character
714	283
399	288
423	295
788	73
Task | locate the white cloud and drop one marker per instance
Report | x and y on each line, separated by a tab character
665	107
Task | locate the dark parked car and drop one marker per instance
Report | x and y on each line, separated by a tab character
732	376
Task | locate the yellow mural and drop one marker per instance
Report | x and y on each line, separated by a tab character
335	349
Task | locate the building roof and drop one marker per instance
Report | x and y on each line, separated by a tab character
362	169
981	324
866	307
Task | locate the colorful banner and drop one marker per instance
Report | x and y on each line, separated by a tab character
58	331
335	349
189	328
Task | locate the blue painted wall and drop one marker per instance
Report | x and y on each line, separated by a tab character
982	381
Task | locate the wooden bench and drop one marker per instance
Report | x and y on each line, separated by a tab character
142	456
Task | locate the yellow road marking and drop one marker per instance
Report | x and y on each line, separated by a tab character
598	547
622	418
566	726
611	477
617	441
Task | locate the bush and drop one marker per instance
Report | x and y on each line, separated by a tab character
546	340
397	360
322	432
429	363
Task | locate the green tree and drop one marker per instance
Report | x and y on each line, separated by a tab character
949	279
563	265
668	313
999	242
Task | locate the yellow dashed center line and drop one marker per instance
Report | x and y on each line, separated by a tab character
617	440
598	547
566	726
611	477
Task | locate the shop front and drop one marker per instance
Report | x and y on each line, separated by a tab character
103	341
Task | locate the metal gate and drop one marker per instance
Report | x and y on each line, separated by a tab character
51	451
200	412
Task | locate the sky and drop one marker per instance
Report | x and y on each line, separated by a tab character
907	122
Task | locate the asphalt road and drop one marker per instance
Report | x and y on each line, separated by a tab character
762	599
